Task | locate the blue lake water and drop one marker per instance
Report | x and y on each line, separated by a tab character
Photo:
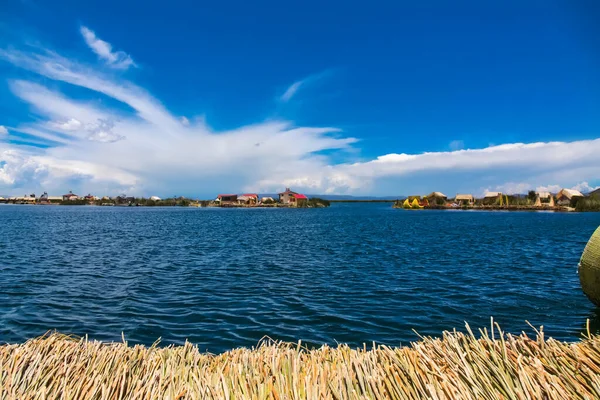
224	278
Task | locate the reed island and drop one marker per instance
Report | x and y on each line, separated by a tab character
564	200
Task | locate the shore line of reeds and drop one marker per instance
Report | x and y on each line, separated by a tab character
457	366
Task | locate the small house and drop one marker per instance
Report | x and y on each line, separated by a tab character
267	200
286	197
155	198
44	198
248	198
464	200
437	198
491	198
124	200
292	198
227	198
90	199
70	196
565	196
299	200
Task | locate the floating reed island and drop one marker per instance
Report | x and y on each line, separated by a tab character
564	200
457	366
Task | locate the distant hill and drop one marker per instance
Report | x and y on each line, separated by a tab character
595	193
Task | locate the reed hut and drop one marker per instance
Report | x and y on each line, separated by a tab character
492	198
248	199
464	199
437	198
565	196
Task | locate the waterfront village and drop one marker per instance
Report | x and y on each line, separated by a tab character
287	198
564	200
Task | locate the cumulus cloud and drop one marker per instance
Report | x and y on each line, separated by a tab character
114	59
152	150
583	187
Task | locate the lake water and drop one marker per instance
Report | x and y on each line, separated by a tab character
224	278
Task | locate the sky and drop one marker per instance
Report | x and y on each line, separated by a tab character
360	98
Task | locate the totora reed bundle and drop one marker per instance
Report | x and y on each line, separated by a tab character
457	366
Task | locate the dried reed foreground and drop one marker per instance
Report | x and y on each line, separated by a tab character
458	366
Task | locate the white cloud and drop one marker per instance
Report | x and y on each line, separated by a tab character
117	59
296	86
583	187
154	151
70	125
511	188
549	188
3	130
291	91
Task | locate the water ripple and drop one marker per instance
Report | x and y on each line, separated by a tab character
227	278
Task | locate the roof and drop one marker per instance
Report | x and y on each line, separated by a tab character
492	194
543	195
250	195
299	196
70	195
287	191
464	197
571	192
437	194
226	195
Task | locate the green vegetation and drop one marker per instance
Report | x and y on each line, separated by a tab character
588	204
494	366
318	202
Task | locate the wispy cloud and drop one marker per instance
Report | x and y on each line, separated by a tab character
114	59
3	130
293	89
154	151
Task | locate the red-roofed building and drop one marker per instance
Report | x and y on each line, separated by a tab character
292	198
70	196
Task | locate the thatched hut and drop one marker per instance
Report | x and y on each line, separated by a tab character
464	199
565	196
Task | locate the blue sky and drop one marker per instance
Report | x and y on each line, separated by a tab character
386	98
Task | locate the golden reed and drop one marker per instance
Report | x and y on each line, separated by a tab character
456	366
